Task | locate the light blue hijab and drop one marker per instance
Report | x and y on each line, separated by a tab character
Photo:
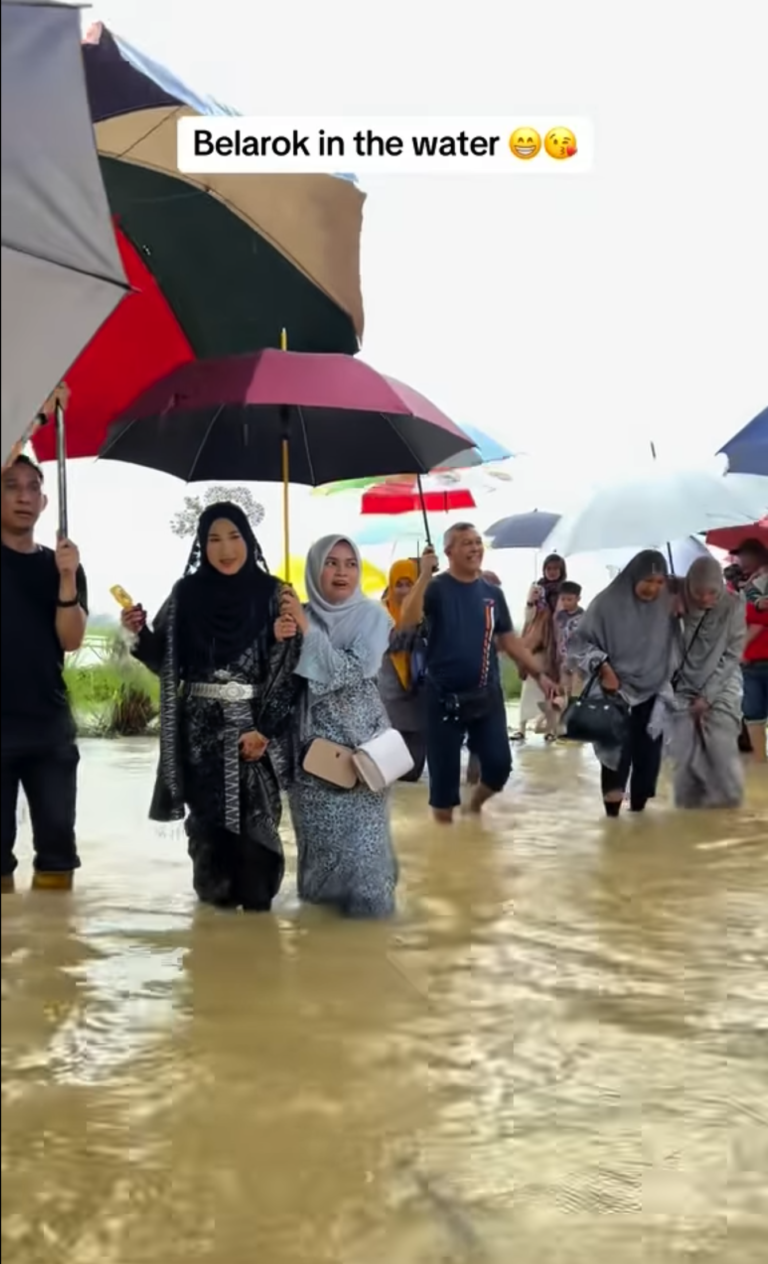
356	623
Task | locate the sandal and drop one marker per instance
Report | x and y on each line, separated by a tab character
516	735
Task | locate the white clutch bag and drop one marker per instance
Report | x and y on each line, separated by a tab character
382	761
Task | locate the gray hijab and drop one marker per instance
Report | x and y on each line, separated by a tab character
357	624
637	636
707	633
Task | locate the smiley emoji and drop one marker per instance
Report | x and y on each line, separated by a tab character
560	143
525	143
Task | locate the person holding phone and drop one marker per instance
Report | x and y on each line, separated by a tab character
227	697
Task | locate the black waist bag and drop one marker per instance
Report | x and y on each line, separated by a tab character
469	706
597	717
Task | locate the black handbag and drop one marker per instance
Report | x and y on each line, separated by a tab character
597	717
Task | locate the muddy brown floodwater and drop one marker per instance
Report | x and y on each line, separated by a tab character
559	1053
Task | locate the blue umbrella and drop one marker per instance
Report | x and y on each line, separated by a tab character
484	451
747	451
522	531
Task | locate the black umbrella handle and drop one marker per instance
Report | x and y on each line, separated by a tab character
424	511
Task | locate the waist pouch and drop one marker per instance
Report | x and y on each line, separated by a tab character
470	705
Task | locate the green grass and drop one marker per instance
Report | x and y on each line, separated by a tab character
114	696
510	680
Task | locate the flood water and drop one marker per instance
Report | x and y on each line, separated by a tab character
559	1053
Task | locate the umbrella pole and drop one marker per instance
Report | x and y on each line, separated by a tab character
286	455
424	511
61	472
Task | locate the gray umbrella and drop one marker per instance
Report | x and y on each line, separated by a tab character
522	531
61	270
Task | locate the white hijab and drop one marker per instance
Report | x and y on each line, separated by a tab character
355	623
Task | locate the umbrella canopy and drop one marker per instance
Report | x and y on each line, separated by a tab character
403	498
227	419
372	580
522	531
747	451
405	532
61	271
664	504
731	538
485	451
683	554
219	264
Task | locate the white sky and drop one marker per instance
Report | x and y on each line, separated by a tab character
574	319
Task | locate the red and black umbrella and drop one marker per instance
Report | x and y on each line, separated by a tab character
219	264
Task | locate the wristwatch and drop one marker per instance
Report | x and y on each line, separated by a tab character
68	605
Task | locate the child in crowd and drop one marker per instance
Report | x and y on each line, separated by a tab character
568	616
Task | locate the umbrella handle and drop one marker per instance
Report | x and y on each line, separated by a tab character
61	472
286	512
424	511
286	454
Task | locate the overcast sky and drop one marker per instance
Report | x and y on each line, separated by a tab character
575	319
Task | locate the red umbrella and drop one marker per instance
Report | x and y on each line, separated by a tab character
730	538
140	343
239	417
401	498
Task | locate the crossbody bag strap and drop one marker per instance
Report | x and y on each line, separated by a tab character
687	651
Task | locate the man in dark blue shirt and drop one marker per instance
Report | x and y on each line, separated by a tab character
466	618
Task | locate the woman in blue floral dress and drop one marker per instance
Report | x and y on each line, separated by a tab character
345	853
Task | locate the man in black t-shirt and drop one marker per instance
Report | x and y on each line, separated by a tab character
43	615
466	618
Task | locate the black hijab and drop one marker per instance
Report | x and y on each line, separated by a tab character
220	615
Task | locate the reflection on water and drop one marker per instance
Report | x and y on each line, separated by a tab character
558	1054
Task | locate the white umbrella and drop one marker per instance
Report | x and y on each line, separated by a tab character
683	553
661	504
61	271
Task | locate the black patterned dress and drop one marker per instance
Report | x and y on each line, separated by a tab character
231	807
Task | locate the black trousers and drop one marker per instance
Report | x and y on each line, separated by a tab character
640	761
48	776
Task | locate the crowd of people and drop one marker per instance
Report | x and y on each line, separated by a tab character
264	696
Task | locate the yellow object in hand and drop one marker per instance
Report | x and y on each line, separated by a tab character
121	597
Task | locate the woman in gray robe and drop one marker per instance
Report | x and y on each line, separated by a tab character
705	709
624	645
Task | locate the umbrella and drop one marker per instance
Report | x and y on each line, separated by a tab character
665	503
234	418
61	273
406	531
403	498
522	531
681	554
747	451
484	451
372	580
731	538
219	264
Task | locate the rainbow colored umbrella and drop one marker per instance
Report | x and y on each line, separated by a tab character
218	265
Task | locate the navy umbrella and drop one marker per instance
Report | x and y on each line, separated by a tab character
522	531
747	451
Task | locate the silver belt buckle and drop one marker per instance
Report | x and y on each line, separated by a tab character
231	692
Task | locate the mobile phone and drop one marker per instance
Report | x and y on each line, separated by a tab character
122	598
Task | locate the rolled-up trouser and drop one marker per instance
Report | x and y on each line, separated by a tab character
48	777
